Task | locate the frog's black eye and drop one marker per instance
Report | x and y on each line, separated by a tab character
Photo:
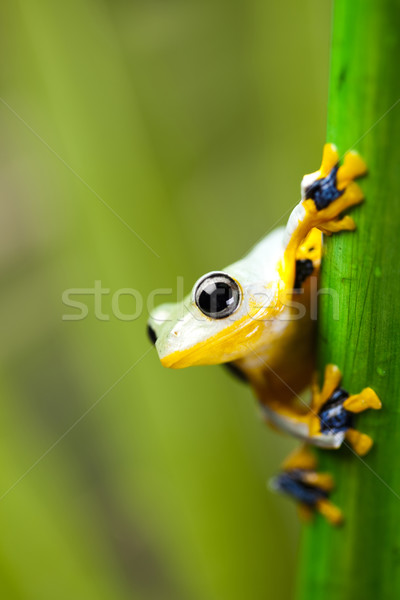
217	295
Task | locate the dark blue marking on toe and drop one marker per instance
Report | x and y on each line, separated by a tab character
292	483
324	191
304	269
333	417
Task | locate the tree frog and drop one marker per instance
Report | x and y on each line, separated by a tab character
255	316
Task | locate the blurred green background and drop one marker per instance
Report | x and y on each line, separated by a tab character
194	121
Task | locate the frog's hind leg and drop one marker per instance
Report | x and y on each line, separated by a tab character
332	379
304	459
332	411
300	458
301	481
327	509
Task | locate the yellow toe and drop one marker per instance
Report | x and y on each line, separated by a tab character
362	401
330	158
353	167
361	442
332	513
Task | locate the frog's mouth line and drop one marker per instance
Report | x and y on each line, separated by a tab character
212	351
226	346
193	357
172	361
207	352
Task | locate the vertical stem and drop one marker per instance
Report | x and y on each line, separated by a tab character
362	559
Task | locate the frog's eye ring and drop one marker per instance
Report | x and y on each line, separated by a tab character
217	295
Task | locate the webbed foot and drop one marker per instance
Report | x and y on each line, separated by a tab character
333	411
311	489
331	190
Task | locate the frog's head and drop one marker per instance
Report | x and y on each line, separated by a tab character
217	321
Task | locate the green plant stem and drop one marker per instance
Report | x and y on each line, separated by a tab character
361	560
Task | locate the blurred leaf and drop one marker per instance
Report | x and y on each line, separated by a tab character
193	122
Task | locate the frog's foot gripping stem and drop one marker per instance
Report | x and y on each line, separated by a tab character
333	411
325	195
331	190
311	489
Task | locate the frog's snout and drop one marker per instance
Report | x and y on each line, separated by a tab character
158	326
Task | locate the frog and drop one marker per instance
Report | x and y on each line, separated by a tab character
256	318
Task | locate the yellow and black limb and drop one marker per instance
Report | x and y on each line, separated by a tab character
326	194
332	379
333	410
332	186
301	481
344	224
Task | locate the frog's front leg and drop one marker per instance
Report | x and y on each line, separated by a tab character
332	411
301	481
325	195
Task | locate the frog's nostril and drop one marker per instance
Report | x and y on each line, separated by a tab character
152	334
